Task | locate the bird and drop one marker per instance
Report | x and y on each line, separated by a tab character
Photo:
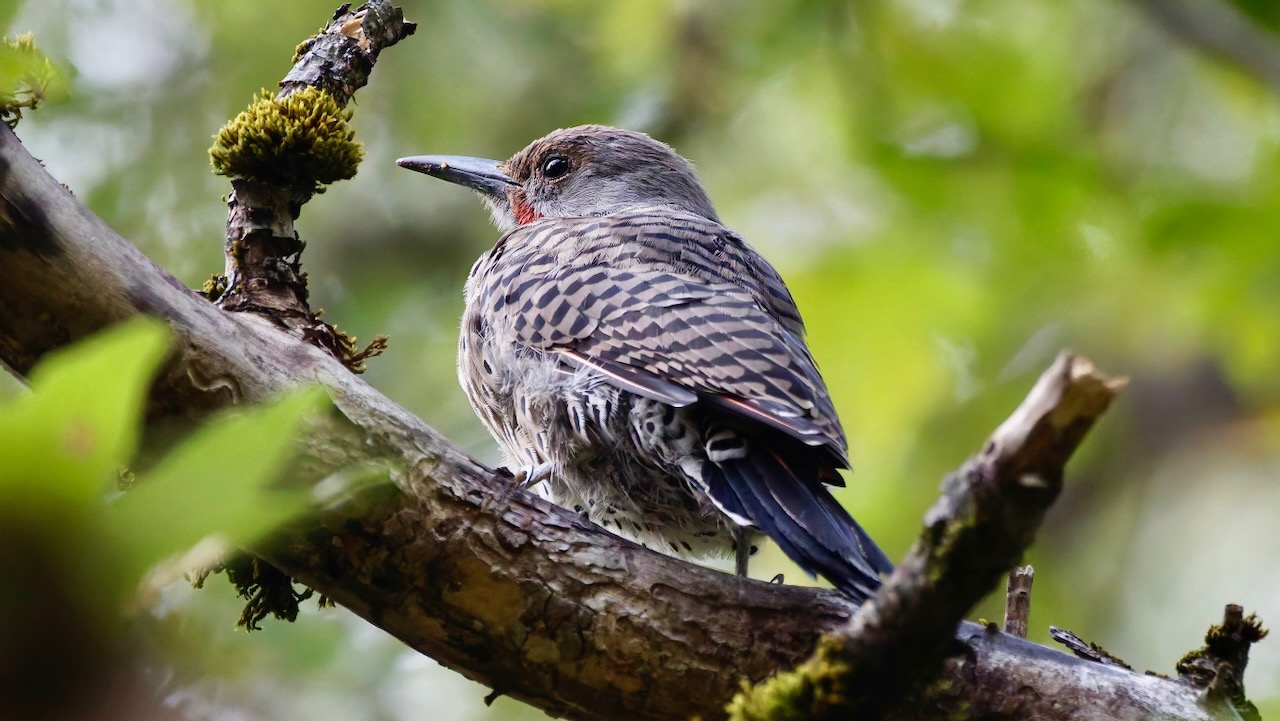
637	357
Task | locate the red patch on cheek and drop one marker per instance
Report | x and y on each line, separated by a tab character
524	212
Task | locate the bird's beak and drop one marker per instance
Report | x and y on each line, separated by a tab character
481	175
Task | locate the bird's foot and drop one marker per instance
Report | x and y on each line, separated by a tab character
525	477
530	476
777	579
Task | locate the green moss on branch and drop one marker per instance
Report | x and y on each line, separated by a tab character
302	140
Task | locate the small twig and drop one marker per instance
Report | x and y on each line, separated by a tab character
1087	651
1017	605
340	57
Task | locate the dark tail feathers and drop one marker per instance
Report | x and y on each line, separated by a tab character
783	497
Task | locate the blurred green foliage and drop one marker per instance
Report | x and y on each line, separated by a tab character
953	189
75	550
27	78
1265	12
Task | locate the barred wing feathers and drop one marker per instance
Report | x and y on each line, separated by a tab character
668	306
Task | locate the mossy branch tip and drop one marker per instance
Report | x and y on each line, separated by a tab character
302	140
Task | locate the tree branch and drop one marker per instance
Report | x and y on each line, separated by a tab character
1223	31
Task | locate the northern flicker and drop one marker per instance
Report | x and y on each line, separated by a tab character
636	355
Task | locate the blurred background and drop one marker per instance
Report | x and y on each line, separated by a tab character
953	189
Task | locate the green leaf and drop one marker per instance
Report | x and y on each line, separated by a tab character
68	438
218	482
27	77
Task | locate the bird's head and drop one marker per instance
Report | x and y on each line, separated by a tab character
575	172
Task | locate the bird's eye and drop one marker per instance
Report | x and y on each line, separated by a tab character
555	167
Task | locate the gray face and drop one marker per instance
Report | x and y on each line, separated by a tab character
576	172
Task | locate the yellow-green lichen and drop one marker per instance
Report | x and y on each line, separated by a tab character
303	47
820	688
811	690
214	287
354	357
302	141
947	696
29	78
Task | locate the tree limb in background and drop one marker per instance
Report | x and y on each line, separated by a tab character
1222	30
528	598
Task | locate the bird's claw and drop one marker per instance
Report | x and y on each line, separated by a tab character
530	476
777	579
